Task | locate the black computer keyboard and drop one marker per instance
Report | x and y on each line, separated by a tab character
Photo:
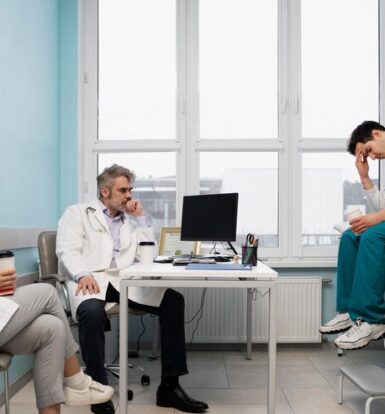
221	259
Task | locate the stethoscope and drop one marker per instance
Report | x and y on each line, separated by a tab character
100	228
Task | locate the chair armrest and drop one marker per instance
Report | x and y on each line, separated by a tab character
53	278
58	281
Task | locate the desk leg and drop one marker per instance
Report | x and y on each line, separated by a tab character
272	349
123	328
249	322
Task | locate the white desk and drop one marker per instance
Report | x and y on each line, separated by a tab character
177	276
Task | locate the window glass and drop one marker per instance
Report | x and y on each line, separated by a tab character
339	66
255	177
137	69
330	184
238	68
154	184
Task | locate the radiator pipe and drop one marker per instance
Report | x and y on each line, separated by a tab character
326	280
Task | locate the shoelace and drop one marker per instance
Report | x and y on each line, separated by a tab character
336	319
355	328
97	386
94	385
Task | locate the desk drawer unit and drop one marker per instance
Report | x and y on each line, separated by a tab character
224	314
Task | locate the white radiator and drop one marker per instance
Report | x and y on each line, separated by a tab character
224	314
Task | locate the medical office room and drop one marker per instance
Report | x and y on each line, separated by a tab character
257	176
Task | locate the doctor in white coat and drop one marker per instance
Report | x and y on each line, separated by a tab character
94	241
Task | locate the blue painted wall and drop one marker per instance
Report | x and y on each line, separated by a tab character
38	123
68	103
29	108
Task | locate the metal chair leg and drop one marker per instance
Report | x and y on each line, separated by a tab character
6	385
341	390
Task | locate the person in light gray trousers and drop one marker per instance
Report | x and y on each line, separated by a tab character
32	320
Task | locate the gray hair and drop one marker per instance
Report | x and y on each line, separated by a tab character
107	177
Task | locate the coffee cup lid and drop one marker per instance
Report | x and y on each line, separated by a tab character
146	243
6	253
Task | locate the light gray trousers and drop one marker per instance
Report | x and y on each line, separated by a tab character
40	327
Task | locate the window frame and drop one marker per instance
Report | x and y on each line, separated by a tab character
187	146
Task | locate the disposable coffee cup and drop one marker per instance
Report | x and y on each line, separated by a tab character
7	261
146	252
352	213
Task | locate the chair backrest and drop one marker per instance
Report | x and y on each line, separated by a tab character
46	243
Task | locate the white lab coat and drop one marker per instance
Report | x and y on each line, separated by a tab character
84	243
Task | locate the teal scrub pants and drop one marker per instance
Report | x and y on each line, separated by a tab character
361	274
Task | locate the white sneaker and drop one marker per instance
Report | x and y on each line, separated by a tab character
340	323
94	393
359	335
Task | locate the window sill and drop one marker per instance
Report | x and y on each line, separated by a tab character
300	263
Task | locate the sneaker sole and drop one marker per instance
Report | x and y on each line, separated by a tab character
88	402
352	347
335	331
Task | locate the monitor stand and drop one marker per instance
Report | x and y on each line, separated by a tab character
232	247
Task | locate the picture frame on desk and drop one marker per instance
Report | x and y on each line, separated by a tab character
170	243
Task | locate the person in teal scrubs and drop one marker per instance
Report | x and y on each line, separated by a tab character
361	255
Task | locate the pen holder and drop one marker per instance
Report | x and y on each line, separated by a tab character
249	255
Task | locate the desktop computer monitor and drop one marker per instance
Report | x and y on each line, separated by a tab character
210	217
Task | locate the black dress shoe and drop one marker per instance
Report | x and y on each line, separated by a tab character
177	397
104	408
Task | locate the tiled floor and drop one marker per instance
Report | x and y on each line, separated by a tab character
307	382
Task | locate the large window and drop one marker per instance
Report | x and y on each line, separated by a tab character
251	175
238	69
329	186
250	96
340	59
154	183
137	69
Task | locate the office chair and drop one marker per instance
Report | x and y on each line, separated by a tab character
49	274
5	362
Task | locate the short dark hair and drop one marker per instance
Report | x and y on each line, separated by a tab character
106	178
362	133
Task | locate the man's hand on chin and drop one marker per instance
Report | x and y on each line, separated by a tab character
134	208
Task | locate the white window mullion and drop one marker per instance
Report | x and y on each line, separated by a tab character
192	101
181	131
283	128
294	131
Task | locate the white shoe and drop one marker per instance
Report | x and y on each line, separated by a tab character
94	393
359	335
340	323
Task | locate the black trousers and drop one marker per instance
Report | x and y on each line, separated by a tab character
93	322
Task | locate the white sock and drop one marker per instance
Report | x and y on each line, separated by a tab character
77	381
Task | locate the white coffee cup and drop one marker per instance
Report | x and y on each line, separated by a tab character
352	213
146	252
7	260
